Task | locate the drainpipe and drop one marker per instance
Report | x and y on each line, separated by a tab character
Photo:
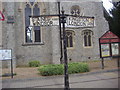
61	47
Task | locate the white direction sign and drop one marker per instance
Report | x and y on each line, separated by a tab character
44	21
6	54
79	21
71	21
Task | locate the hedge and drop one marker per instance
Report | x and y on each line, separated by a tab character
58	69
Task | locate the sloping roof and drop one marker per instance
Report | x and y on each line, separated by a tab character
109	35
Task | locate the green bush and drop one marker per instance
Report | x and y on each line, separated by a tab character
58	69
51	69
77	67
34	63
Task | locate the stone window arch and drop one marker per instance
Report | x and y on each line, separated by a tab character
75	10
87	38
70	38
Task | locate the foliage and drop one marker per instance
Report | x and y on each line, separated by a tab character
34	63
51	69
114	20
58	69
77	67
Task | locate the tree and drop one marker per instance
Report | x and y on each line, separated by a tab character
114	19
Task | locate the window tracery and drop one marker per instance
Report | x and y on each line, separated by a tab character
75	10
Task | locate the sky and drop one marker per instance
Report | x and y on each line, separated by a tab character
107	4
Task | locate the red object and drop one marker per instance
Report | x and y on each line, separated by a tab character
2	18
109	37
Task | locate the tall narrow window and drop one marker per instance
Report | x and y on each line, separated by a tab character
27	22
69	38
36	12
87	37
33	33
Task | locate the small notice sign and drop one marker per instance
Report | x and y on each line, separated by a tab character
2	18
6	54
10	19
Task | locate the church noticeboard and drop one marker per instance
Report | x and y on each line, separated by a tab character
109	45
5	54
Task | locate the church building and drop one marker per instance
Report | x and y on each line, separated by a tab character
41	38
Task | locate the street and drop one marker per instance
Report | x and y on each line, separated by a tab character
98	80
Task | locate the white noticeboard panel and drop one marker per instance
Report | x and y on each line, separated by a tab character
6	54
115	49
105	49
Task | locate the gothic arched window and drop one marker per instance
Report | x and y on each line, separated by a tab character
69	38
32	33
75	10
87	38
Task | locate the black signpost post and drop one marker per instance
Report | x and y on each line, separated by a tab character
63	21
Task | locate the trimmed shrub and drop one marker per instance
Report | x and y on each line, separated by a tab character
51	69
77	67
34	63
58	69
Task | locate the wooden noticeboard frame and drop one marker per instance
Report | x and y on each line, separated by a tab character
109	45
